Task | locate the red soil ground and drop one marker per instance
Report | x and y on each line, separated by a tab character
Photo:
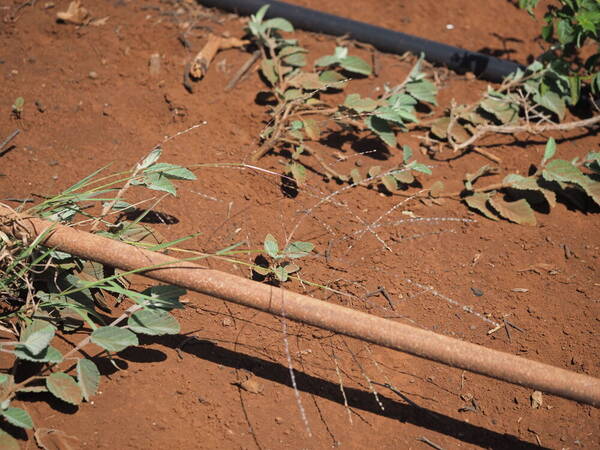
101	106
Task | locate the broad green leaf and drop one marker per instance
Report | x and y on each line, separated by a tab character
88	378
64	387
588	20
390	183
298	171
291	268
19	103
298	249
307	80
150	159
264	271
519	212
157	182
281	274
18	417
48	355
271	246
478	202
565	31
504	111
358	104
327	60
419	167
113	339
260	14
164	296
575	89
154	322
267	67
530	184
356	65
357	178
395	115
551	101
381	128
291	50
332	78
422	90
278	23
561	170
549	151
37	336
296	60
592	188
7	442
404	176
172	171
374	171
292	94
407	153
120	205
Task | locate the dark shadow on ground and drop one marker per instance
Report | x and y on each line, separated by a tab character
357	398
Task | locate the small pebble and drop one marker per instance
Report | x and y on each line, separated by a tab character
93	75
477	292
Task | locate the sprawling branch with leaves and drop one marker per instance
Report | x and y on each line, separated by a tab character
299	111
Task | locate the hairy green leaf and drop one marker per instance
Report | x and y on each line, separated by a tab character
37	336
422	90
267	67
549	151
113	339
64	387
479	202
278	23
358	104
382	129
48	355
150	159
281	274
390	183
530	184
18	417
356	65
271	246
88	378
561	170
164	296
333	79
154	322
519	212
298	249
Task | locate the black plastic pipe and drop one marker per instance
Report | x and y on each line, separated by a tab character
455	58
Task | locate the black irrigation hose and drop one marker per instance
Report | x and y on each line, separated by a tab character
455	58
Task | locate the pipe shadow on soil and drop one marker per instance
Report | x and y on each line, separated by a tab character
357	398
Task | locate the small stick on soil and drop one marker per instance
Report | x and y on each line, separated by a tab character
10	137
204	57
428	442
242	71
487	155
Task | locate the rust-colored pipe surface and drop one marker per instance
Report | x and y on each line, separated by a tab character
301	308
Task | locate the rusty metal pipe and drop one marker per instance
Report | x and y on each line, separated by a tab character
301	308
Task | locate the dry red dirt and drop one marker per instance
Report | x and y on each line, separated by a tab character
100	105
